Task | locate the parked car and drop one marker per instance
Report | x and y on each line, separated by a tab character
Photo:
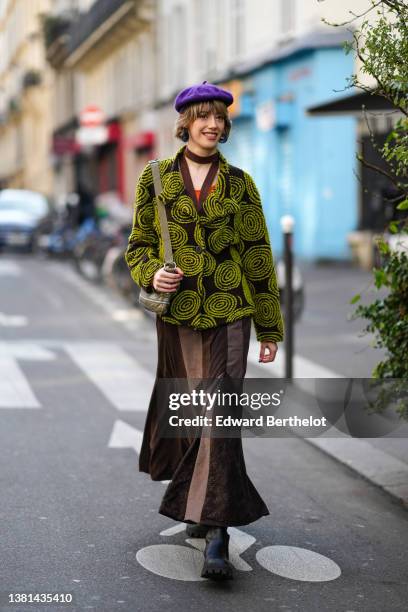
24	215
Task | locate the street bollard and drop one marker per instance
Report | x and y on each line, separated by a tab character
287	223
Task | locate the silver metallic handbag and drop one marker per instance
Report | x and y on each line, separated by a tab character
158	301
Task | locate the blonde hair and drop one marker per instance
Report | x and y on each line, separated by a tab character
192	111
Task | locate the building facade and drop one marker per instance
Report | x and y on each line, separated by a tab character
103	56
303	166
127	59
25	97
278	58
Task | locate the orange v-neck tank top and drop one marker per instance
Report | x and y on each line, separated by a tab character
198	191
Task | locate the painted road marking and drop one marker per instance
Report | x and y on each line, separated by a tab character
12	320
180	563
15	390
302	367
239	543
173	529
112	303
298	563
116	374
8	267
125	436
120	378
128	314
172	561
26	350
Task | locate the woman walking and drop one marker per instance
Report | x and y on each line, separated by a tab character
224	279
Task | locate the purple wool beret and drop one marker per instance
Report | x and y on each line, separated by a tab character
200	93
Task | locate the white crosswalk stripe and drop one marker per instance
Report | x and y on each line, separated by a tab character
120	378
302	367
117	375
8	267
15	390
125	436
7	320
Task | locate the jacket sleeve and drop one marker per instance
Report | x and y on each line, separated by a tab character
258	265
142	253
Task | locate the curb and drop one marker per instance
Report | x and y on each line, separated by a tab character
381	469
376	466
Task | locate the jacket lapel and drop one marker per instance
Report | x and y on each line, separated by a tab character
172	181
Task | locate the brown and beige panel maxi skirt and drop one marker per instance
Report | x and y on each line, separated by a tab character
209	483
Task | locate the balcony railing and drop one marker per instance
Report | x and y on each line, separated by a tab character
99	13
53	28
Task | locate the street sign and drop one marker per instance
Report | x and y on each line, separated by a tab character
91	116
87	136
92	130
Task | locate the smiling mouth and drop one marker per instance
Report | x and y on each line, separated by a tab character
209	134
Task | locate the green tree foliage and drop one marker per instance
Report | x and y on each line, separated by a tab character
381	43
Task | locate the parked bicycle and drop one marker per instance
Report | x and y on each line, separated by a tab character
115	270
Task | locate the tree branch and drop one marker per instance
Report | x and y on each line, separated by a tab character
383	172
382	89
373	6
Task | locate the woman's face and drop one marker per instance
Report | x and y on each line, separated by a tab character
206	130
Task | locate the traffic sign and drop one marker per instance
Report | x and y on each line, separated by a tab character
87	136
91	116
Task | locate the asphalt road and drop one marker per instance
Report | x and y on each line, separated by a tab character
76	516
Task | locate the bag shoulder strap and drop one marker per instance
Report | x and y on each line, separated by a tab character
164	228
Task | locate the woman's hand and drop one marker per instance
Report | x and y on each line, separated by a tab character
272	348
167	282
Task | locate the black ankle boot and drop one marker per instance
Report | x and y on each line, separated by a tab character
216	557
197	531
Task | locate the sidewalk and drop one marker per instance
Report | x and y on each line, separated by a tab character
323	326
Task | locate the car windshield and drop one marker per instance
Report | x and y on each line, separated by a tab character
34	205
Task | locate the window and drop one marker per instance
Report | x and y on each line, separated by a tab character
209	25
173	44
237	27
135	70
287	16
3	6
162	49
198	36
178	42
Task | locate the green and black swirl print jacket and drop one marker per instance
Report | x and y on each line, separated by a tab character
223	250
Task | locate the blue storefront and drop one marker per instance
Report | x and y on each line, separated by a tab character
304	166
